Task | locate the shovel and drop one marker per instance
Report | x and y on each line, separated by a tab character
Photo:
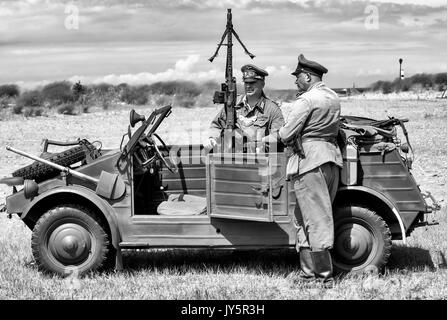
109	185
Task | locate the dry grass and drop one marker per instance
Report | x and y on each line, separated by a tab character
415	271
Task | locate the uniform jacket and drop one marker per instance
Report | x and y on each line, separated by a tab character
261	120
315	115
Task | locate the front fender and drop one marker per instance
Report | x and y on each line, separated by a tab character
381	197
66	191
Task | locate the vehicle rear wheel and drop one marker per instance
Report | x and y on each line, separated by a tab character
70	236
362	240
39	171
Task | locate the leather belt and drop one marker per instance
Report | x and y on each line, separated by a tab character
327	139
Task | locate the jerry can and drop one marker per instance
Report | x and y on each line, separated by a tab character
350	165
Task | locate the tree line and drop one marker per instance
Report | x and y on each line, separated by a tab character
417	82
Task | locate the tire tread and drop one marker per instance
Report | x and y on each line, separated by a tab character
36	237
381	225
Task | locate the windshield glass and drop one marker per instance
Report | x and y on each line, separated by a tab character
158	116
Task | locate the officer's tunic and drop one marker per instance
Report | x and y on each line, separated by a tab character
255	122
314	119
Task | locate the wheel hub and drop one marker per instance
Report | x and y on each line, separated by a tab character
70	243
353	243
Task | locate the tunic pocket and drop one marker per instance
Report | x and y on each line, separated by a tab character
261	121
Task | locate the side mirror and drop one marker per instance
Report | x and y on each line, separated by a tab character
135	118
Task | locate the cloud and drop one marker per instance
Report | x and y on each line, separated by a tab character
247	4
183	70
183	20
372	72
431	3
146	41
185	65
4	12
277	71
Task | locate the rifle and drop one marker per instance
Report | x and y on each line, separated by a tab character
228	93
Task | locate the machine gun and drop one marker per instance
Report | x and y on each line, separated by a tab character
227	94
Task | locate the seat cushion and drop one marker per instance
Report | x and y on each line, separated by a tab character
182	205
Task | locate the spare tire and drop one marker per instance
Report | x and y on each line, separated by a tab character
39	171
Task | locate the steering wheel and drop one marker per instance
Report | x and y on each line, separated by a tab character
147	152
170	167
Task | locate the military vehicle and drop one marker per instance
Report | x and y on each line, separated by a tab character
87	204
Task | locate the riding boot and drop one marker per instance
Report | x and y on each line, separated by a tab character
307	267
322	263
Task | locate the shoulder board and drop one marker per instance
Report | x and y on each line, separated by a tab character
267	99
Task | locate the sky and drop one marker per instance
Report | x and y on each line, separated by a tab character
141	42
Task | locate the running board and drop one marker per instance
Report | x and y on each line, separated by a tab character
140	245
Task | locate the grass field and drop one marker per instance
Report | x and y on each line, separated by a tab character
415	271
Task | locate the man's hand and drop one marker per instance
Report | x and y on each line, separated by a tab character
271	138
210	143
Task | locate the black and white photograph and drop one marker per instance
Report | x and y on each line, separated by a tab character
239	152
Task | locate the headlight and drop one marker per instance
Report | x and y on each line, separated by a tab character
30	189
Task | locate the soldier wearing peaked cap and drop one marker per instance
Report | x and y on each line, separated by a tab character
257	116
310	131
252	73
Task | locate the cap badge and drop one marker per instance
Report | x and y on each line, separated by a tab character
249	74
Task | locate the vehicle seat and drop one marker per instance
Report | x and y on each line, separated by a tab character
182	205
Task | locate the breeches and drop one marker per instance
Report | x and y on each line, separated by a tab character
315	191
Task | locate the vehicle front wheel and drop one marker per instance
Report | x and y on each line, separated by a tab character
67	237
362	240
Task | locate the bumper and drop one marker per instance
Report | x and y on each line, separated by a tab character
435	205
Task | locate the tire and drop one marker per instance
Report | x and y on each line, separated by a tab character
70	236
362	240
39	171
